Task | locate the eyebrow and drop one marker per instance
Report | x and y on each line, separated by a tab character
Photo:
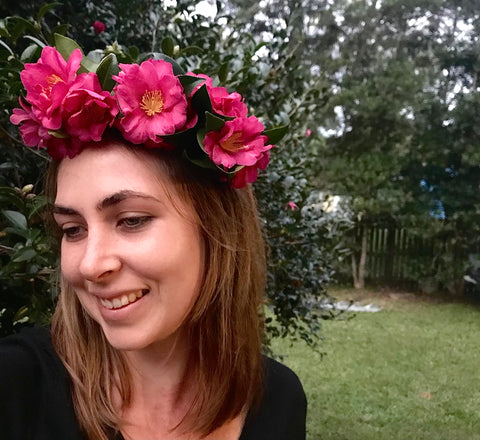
107	202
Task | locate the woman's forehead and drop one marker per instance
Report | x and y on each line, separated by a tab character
109	170
100	176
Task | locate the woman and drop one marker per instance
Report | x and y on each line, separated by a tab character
157	330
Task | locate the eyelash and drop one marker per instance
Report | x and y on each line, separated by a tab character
128	223
138	222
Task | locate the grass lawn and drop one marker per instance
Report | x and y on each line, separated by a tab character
411	371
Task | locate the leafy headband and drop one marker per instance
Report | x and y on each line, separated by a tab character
71	100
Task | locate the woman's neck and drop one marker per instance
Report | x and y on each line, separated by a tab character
160	394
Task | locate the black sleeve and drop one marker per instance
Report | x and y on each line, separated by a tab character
35	397
19	377
283	409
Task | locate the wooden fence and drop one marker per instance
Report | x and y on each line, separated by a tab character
395	256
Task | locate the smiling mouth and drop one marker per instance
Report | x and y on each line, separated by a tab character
123	300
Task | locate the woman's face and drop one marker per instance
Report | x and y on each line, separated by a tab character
134	261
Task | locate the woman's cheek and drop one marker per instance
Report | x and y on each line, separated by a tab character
69	263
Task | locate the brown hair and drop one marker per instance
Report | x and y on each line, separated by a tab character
226	321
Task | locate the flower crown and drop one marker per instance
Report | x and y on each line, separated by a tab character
70	101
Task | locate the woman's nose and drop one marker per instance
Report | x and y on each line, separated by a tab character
100	258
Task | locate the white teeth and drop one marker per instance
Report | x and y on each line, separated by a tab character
123	300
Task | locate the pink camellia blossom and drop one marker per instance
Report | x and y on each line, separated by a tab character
87	110
249	174
31	129
47	82
228	104
59	148
151	99
292	206
223	103
239	142
99	27
308	133
34	134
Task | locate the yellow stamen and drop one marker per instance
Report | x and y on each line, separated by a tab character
152	102
234	143
53	79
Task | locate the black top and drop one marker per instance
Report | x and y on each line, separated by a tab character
35	399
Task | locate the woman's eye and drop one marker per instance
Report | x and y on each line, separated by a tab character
134	222
73	232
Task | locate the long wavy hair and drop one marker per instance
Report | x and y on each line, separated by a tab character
225	324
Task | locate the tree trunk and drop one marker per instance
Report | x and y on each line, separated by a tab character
358	272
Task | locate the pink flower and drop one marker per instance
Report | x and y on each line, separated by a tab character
249	174
223	103
87	110
239	142
151	99
308	133
59	148
34	134
292	206
32	131
99	27
47	82
228	104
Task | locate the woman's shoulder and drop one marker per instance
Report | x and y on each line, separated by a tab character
282	410
35	401
26	352
279	378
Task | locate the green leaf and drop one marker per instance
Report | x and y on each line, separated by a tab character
87	65
168	46
213	123
65	46
276	134
35	40
200	137
201	101
107	67
260	45
202	161
6	46
46	8
180	138
177	70
21	25
16	219
223	72
3	29
29	52
59	29
191	50
189	83
25	255
132	52
39	203
10	196
21	313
